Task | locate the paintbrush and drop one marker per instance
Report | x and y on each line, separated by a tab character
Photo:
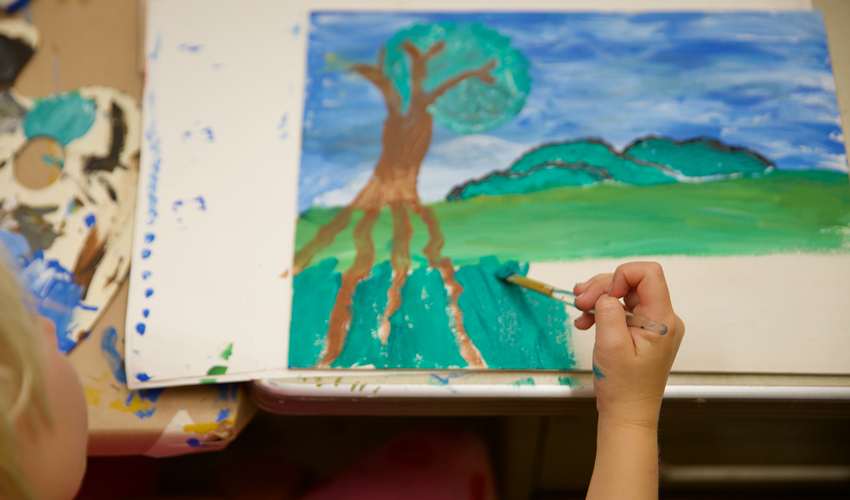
505	273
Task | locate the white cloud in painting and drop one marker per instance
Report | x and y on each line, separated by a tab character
837	137
447	165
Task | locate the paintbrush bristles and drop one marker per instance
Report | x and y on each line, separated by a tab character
531	284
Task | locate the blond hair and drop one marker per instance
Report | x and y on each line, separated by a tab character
22	385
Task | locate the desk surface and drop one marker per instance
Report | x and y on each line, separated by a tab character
97	42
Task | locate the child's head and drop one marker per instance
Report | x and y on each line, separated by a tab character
43	432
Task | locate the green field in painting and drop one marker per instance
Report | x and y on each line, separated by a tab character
807	211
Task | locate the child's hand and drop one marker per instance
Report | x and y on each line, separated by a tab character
630	365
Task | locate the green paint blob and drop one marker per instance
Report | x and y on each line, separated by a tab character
63	117
597	373
524	381
472	105
778	212
421	333
565	381
225	354
217	370
208	381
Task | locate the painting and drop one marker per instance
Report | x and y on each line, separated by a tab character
439	148
68	178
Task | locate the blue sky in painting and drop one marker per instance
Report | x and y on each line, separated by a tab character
757	80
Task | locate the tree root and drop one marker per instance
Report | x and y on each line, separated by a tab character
432	250
340	318
400	261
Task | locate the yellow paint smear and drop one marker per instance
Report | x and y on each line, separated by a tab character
135	405
92	396
206	428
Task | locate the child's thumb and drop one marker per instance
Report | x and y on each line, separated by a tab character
611	329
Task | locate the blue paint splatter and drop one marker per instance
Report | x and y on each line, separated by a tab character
193	442
188	47
209	133
146	275
63	117
223	414
56	295
155	150
216	66
149	238
296	29
143	377
444	381
90	220
146	253
597	373
202	206
140	327
177	204
109	351
157	44
145	395
187	134
148	292
146	312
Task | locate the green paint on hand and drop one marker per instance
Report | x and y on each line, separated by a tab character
217	370
225	354
597	373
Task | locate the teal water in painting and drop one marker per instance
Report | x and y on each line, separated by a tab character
512	328
63	117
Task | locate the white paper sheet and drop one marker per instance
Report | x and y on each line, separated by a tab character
221	140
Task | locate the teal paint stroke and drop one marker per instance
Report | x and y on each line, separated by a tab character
63	117
597	372
511	328
565	381
524	381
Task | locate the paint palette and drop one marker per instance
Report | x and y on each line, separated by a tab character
68	180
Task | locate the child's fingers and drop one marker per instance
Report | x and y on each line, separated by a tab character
584	321
592	289
647	279
612	333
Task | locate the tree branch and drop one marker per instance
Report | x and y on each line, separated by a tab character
482	73
375	74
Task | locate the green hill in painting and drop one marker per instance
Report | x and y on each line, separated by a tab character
648	161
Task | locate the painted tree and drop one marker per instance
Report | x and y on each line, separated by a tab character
469	79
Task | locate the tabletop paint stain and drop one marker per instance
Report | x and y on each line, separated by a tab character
109	351
337	381
566	381
207	427
140	403
92	396
524	381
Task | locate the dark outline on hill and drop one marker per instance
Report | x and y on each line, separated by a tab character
711	143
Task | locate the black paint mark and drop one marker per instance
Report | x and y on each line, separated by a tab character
109	162
14	55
